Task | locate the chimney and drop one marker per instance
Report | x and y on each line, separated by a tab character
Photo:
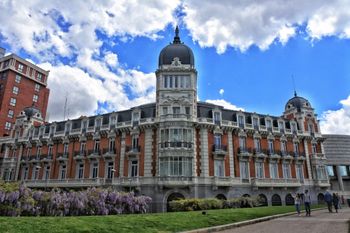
2	52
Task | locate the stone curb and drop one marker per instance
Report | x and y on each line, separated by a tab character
243	223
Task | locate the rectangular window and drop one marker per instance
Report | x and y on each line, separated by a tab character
15	90
134	168
296	148
187	110
49	151
111	145
217	140
343	171
259	168
176	81
244	169
20	67
269	124
170	81
274	170
135	142
217	117
35	98
300	172
257	144
46	173
113	120
219	167
8	125
110	170
242	144
330	170
256	123
97	147
165	110
271	147
286	171
281	126
65	149
283	147
18	78
241	121
39	77
37	87
80	173
35	174
314	148
165	81
25	173
82	148
13	102
63	172
95	170
10	113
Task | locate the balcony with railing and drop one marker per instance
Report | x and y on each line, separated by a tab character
109	153
275	182
260	153
94	154
186	145
132	151
34	158
80	155
175	117
62	157
46	158
170	181
65	183
245	152
322	183
219	151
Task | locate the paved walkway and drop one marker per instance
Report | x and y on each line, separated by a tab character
320	222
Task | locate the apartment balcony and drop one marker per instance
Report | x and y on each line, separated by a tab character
132	151
25	159
318	159
62	157
69	183
109	153
128	181
9	160
219	151
260	153
274	154
172	145
94	154
244	152
171	181
275	182
79	155
34	159
322	183
225	181
175	117
286	156
46	158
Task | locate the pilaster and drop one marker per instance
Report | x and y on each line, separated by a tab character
230	154
204	152
148	153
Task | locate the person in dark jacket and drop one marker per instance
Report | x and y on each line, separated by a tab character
328	199
335	202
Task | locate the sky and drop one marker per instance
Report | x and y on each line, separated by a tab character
102	55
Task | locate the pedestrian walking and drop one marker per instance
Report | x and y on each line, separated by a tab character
307	203
328	199
297	202
336	202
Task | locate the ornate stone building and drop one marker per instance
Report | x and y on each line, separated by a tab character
176	147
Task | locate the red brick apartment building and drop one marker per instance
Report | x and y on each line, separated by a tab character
22	84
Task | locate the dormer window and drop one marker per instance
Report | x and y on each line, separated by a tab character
67	129
98	123
281	126
135	118
311	128
217	118
255	123
241	121
294	127
269	124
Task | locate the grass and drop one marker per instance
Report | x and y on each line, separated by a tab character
166	222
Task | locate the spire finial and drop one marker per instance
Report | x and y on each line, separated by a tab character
177	37
295	92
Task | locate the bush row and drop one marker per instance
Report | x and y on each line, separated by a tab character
213	203
18	200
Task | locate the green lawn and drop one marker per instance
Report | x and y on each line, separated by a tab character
167	222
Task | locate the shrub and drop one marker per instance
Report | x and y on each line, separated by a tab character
16	200
213	203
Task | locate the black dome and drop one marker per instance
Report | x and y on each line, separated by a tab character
31	111
297	102
176	49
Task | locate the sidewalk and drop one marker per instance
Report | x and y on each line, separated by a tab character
320	222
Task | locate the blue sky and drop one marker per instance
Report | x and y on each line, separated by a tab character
103	56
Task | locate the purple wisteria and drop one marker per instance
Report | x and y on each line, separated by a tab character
26	202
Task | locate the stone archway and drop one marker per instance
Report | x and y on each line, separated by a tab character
263	200
276	200
289	199
320	198
173	197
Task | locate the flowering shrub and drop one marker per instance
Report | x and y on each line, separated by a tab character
213	203
18	200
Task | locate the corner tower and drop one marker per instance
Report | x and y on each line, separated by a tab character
176	104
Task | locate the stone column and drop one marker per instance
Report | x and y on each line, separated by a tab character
204	152
308	162
122	155
230	154
148	153
194	165
340	179
19	157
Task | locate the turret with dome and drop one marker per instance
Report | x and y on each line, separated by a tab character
297	102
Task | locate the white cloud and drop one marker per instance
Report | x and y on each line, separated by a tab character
225	104
221	91
337	121
241	24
